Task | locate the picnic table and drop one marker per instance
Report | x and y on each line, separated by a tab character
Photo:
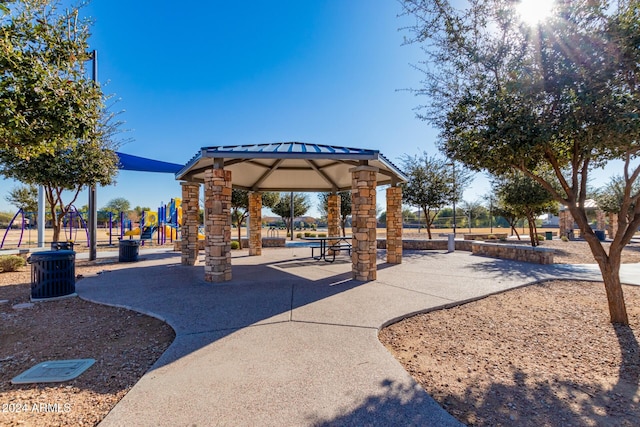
329	246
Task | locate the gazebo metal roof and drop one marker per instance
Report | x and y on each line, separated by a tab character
290	166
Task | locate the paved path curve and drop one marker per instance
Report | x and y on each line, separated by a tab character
292	341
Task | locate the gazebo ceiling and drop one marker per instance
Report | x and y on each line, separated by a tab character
289	166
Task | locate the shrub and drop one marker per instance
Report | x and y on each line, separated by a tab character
564	238
312	234
541	237
503	239
298	235
307	234
235	244
322	235
492	237
11	263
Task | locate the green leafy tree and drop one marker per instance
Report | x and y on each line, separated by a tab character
610	198
24	197
240	206
282	208
474	213
87	164
345	207
525	198
47	102
50	107
113	207
431	185
382	219
117	205
561	96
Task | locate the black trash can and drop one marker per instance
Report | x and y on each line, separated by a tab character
128	250
53	274
600	235
61	246
548	235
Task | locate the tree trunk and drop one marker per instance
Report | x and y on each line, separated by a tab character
532	235
609	267
513	229
613	288
56	223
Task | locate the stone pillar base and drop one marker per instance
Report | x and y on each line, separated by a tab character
364	248
394	225
217	187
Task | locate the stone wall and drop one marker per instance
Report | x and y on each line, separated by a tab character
484	236
532	254
267	242
428	245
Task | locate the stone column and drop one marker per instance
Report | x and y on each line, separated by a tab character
333	217
255	223
613	225
217	203
565	222
394	225
601	222
363	210
190	222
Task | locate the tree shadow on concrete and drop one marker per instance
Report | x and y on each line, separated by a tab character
535	272
398	405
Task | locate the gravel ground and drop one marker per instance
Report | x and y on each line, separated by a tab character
125	344
543	355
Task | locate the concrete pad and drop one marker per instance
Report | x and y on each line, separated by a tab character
284	374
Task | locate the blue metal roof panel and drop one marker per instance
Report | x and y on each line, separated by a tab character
228	151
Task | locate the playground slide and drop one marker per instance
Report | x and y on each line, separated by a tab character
170	232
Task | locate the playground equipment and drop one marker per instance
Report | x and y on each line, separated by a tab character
20	212
68	226
73	212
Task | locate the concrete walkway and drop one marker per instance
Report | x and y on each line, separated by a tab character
292	341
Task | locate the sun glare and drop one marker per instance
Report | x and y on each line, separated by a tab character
534	12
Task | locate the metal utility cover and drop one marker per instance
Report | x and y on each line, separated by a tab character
54	371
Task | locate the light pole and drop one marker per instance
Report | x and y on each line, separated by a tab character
291	213
491	214
455	195
93	214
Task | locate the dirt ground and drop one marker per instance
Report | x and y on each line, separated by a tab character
126	344
543	355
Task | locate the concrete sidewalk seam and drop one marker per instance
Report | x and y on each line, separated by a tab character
341	325
237	328
414	291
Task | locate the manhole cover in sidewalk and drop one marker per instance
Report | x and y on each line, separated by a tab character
54	371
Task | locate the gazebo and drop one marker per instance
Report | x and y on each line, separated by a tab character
288	166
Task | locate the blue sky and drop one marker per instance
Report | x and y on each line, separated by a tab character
222	72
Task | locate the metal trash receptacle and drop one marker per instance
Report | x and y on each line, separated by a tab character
128	250
61	246
600	235
548	235
53	274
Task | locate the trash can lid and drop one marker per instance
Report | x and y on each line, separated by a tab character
44	255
